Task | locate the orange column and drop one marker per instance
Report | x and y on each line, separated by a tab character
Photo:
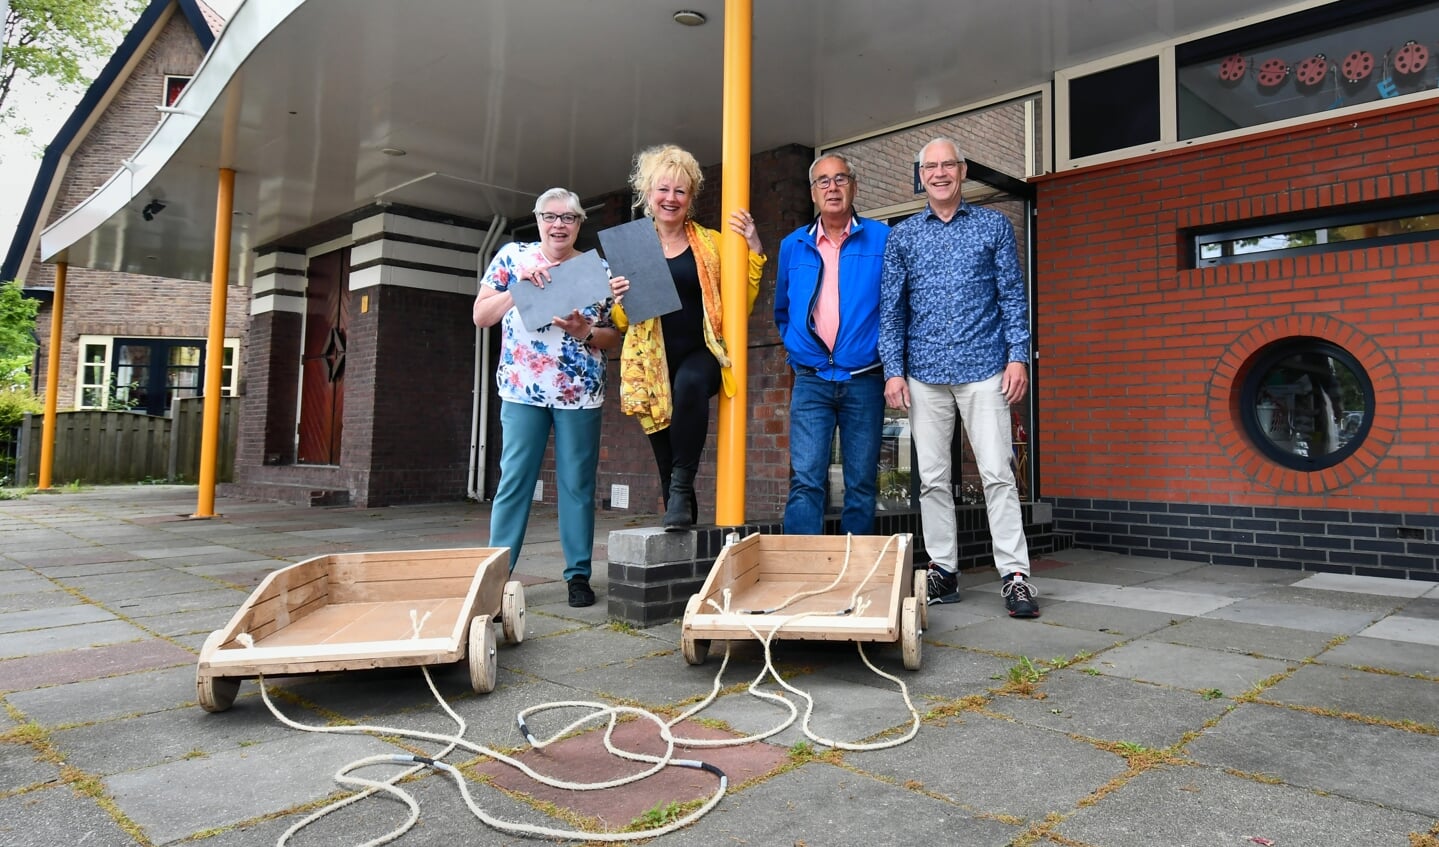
52	378
734	260
215	345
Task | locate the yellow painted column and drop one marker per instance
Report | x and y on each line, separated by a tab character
734	260
215	345
52	378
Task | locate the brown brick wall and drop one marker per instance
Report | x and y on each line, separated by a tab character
105	303
267	417
1142	356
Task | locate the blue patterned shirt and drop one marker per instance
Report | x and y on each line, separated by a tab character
953	305
546	366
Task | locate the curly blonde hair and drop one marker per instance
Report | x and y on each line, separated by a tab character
659	162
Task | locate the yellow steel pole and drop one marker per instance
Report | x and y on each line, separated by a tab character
215	345
52	378
734	260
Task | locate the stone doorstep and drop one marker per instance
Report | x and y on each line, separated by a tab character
310	496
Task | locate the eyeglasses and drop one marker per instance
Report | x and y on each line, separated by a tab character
569	218
946	165
838	181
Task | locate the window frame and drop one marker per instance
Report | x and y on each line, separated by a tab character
229	374
1266	360
1366	213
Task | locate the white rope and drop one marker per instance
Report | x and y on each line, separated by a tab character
598	710
858	605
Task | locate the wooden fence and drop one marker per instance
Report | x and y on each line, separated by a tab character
125	447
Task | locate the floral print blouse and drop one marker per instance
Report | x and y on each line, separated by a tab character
546	366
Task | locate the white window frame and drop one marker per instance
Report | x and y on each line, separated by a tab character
1168	106
165	89
229	383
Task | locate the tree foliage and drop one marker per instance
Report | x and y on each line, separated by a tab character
56	43
17	336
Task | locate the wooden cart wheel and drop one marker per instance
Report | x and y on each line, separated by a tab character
921	597
512	612
481	655
695	650
909	632
215	693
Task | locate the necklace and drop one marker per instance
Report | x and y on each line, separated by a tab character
677	243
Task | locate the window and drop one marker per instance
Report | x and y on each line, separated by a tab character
1114	108
1347	229
146	374
174	87
1303	64
1306	403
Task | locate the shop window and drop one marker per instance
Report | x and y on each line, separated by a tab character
1347	229
1306	403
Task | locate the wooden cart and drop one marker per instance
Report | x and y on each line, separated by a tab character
354	611
763	571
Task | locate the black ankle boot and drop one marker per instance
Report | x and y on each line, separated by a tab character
681	502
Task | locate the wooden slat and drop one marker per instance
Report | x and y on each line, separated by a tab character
284	596
359	655
367	622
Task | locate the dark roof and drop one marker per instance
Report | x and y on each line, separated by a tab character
202	19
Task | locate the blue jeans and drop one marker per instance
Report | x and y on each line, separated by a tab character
816	407
525	431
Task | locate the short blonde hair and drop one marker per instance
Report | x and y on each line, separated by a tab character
656	163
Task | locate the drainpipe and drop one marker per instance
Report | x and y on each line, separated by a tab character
480	409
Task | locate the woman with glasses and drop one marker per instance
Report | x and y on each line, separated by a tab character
549	377
672	365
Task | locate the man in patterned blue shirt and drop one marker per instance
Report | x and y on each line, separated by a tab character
954	338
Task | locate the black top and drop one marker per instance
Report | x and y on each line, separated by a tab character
684	330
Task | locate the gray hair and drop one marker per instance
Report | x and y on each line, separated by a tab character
838	157
571	199
958	151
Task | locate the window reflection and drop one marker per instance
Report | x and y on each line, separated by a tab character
1311	405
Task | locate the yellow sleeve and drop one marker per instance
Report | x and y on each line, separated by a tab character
756	270
621	320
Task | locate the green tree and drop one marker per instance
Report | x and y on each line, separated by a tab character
57	43
17	336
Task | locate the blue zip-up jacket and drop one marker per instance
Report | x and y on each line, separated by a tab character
797	280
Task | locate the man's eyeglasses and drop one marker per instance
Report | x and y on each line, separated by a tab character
947	165
569	218
838	181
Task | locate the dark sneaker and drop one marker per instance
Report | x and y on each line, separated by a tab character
1019	596
942	586
581	594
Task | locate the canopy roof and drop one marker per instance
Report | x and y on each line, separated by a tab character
311	101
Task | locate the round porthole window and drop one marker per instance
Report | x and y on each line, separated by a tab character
1306	403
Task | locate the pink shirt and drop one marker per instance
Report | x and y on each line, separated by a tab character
826	308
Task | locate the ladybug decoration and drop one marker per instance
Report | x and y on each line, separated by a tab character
1357	66
1312	70
1411	59
1233	68
1273	73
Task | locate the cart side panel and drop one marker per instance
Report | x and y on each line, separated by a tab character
737	567
285	596
822	558
404	575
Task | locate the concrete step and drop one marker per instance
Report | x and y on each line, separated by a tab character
309	496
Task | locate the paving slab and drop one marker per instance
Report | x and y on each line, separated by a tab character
1375	764
1401	628
1357	692
59	616
39	818
1381	586
819	804
1424	608
656	681
557	656
1190	668
24	581
1404	657
1274	642
53	597
1203	807
235	785
1116	622
119	566
108	698
841	711
218	599
21	766
54	669
125	587
947	673
177	623
1033	638
74	637
1274	612
979	762
1110	709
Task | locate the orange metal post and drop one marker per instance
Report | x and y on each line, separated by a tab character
215	345
52	378
734	264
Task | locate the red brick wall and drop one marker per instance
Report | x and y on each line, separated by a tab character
1141	358
104	303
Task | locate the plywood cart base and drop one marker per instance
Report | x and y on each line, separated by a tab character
355	611
762	572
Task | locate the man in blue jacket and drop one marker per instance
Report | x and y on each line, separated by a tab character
826	305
